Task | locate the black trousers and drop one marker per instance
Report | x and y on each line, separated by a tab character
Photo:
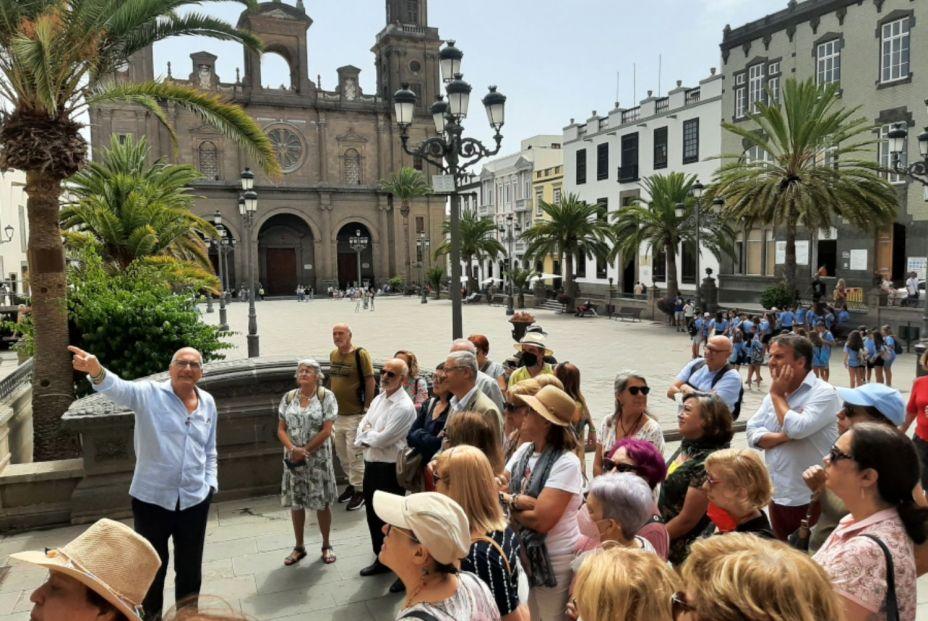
187	527
381	476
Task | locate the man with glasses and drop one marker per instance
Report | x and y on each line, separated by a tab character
711	374
461	376
176	468
382	435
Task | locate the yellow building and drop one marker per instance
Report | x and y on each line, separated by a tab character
547	186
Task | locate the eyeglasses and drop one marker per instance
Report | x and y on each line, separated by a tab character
609	466
679	605
450	369
188	364
391	528
388	374
716	350
712	481
636	390
512	407
835	455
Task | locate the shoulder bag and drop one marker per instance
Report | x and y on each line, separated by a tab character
892	604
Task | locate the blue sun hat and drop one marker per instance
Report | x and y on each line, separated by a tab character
885	399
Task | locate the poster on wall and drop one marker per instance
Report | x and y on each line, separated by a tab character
780	257
644	275
917	265
802	253
858	259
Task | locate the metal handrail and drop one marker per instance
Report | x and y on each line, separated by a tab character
22	375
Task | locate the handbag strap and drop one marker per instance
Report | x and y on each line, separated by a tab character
498	547
892	606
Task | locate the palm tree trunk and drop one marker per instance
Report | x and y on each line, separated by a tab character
569	281
789	269
673	287
53	376
404	210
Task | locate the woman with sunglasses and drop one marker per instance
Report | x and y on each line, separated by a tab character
630	418
706	426
741	577
640	458
426	433
873	468
514	411
738	488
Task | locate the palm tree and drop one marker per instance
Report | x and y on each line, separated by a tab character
434	277
478	241
810	171
654	222
520	280
572	228
56	58
406	185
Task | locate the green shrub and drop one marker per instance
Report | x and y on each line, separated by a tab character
778	296
396	283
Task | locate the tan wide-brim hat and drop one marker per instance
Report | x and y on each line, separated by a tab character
110	559
436	520
536	339
552	404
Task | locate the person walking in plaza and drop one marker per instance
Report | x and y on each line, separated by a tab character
351	378
689	312
854	358
629	419
306	417
911	290
711	374
795	426
699	332
382	435
176	463
100	575
461	376
822	361
534	351
893	349
489	386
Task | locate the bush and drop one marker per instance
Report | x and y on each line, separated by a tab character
778	296
396	283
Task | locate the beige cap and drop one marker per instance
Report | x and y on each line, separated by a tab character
536	339
436	520
110	559
553	404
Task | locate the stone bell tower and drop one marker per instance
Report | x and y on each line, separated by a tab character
406	51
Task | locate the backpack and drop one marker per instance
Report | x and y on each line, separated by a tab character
693	330
736	411
897	346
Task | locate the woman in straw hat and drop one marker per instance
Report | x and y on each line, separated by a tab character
543	496
102	575
425	537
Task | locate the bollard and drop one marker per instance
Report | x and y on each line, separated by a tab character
920	348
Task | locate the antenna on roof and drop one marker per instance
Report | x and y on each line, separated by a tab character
618	82
660	60
635	84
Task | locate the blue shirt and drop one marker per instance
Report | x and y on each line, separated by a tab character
786	319
720	326
843	316
853	357
764	327
747	326
175	450
728	388
801	316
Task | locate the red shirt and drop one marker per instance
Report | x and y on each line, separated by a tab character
918	401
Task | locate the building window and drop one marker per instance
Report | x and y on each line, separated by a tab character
556	199
755	85
688	263
412	11
894	63
581	166
580	265
659	265
828	62
773	86
602	161
352	167
628	171
602	208
417	162
420	225
660	147
208	159
539	198
886	157
601	269
741	96
690	141
754	253
773	68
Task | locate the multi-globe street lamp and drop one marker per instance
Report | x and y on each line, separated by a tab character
510	237
247	207
422	243
697	191
358	243
220	251
449	151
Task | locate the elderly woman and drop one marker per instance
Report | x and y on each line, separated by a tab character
464	474
641	458
624	583
706	426
416	387
544	497
741	577
873	468
426	536
630	419
306	417
619	504
738	487
426	433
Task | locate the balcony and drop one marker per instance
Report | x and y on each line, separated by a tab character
630	115
519	247
661	105
486	210
522	204
628	173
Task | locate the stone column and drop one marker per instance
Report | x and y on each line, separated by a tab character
328	240
323	149
383	212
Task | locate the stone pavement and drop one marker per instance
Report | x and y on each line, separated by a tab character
248	539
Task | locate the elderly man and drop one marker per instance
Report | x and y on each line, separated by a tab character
486	384
176	466
461	373
711	374
382	435
533	356
795	426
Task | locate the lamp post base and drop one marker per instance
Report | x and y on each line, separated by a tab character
425	297
209	303
223	319
253	346
509	306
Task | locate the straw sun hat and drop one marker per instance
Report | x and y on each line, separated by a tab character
552	404
108	558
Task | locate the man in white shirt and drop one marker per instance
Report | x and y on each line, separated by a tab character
487	385
382	435
461	373
911	289
796	425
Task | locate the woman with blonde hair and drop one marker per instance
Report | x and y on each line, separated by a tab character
624	583
741	577
738	487
472	429
464	474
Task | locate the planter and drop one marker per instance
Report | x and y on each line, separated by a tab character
519	328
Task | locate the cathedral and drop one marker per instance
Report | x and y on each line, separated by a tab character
334	148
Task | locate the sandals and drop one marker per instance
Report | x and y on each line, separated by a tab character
328	557
298	554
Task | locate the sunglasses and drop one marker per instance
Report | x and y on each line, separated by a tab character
512	407
636	390
391	528
679	605
835	455
610	466
388	374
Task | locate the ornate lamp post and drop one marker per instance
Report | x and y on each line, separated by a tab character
697	192
247	207
917	170
508	229
217	222
358	243
422	243
449	151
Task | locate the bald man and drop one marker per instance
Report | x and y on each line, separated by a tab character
711	374
176	468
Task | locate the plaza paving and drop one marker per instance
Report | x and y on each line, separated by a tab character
248	539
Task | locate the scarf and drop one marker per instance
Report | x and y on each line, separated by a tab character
539	475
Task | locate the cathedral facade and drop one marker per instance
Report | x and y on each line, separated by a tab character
334	148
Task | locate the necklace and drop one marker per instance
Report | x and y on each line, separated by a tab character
422	584
627	432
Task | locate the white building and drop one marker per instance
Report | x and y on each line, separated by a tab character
606	158
14	234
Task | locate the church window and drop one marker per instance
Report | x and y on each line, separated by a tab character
288	147
352	167
412	11
208	158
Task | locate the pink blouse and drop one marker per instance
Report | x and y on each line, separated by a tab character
857	565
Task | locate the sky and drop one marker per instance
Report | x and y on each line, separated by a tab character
553	60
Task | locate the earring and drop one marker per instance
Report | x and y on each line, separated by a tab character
425	572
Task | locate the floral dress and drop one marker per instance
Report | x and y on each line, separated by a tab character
312	484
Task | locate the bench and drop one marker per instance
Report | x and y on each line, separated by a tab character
497	299
473	298
582	311
629	312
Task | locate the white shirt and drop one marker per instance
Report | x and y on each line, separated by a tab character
384	428
463	404
811	423
911	286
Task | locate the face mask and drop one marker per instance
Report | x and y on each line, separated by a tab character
528	359
722	518
588	527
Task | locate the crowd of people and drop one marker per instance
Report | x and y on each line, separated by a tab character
479	501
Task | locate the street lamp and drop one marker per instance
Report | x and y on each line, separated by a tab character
358	243
917	170
247	207
449	151
697	191
8	231
422	243
217	222
508	229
